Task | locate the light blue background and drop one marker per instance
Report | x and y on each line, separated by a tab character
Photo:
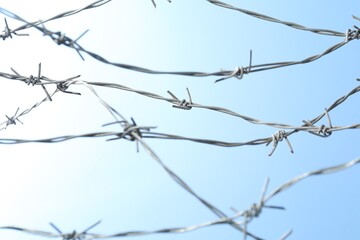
76	183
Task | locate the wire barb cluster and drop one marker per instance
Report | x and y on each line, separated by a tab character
7	33
185	105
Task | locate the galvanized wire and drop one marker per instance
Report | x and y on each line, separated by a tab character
132	132
58	16
61	39
280	135
248	214
271	19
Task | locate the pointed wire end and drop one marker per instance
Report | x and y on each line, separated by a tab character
219	80
356	18
275	207
55	227
286	235
153	1
107	124
92	226
111	139
81	35
82	58
13	70
234	210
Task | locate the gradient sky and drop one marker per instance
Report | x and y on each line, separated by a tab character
76	183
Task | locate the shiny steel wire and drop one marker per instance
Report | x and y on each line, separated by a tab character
256	208
280	135
61	39
132	132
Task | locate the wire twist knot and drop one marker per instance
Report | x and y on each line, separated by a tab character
185	105
13	119
352	34
324	130
74	235
60	39
278	137
32	80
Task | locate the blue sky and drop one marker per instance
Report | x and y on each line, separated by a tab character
76	183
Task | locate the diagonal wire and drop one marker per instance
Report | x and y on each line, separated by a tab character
223	220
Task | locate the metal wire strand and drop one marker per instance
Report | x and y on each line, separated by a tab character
132	132
271	19
308	126
61	39
223	220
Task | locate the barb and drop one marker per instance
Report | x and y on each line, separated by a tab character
13	119
352	34
355	17
239	71
278	137
74	235
7	32
185	105
33	80
286	235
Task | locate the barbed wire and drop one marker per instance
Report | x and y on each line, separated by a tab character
61	39
182	104
280	135
271	19
31	80
248	214
133	132
36	24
